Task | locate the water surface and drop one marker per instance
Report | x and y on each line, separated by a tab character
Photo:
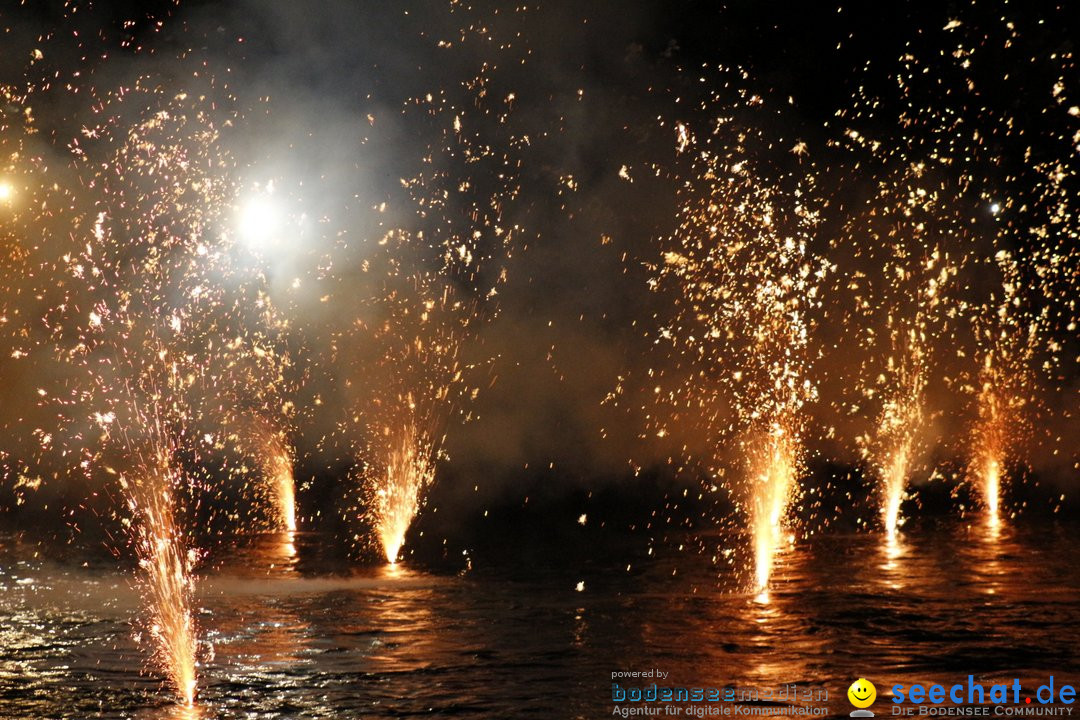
295	637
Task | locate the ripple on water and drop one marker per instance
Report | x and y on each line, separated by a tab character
940	602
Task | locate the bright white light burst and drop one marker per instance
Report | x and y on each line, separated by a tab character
260	220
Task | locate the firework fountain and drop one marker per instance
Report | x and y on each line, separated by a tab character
437	278
414	390
144	268
742	285
166	562
279	470
409	470
1004	382
131	283
898	441
254	372
941	187
277	486
773	472
899	426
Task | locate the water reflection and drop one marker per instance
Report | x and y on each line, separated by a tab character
894	573
991	570
287	548
774	646
175	711
939	601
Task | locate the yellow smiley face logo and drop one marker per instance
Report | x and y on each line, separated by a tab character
862	693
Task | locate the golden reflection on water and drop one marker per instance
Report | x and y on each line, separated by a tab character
273	619
581	628
394	571
991	571
176	712
286	633
407	613
15	637
775	641
285	547
894	573
842	598
993	524
259	634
